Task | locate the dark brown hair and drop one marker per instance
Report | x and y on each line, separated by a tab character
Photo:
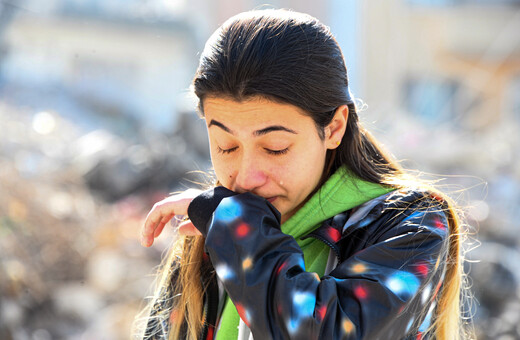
290	58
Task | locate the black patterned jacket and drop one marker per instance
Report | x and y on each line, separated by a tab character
382	280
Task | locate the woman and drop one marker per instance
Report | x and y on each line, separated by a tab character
312	231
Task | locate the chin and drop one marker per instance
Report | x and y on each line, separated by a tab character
280	209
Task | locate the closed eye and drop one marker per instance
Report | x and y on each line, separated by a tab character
269	151
277	152
226	151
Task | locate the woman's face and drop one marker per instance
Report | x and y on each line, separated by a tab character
270	149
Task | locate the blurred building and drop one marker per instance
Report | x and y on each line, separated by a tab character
117	64
441	82
112	61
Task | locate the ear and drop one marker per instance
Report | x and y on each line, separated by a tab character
336	129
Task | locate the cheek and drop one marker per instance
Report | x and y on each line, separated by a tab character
306	168
288	174
223	172
221	168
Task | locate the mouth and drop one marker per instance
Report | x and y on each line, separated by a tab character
271	199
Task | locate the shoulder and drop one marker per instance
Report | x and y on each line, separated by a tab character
414	210
405	210
399	204
411	198
409	212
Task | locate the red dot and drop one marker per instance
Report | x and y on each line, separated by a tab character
437	197
242	312
360	292
422	269
419	336
280	268
437	289
334	234
439	224
243	230
210	333
322	311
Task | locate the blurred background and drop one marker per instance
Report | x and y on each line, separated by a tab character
96	124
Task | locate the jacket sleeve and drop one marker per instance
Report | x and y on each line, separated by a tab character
385	290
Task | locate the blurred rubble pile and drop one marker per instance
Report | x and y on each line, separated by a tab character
71	205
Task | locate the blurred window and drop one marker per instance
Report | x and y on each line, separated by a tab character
151	9
432	100
104	78
432	2
462	2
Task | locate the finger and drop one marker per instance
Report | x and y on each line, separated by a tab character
147	233
150	223
155	229
159	229
156	219
164	211
160	226
146	240
188	229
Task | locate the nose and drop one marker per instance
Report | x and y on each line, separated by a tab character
250	174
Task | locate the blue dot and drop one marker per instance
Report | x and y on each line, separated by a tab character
301	262
228	210
427	320
293	325
224	272
305	303
403	284
426	323
410	323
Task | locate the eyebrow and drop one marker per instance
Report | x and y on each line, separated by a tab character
257	133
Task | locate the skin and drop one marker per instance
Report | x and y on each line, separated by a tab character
268	148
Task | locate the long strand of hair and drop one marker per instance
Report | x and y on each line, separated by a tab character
187	308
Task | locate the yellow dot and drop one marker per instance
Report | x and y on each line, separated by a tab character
247	263
317	276
348	326
437	263
359	268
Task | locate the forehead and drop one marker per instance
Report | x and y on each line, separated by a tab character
253	112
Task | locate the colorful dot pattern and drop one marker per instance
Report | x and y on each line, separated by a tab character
263	272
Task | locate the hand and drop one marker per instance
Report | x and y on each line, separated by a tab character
163	211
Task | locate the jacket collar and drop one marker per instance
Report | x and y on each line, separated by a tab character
339	226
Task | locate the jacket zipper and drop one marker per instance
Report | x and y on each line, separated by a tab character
327	242
205	327
211	307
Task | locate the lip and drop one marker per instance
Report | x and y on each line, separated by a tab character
272	199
